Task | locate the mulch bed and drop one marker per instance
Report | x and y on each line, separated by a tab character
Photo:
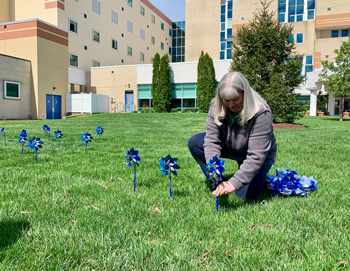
285	126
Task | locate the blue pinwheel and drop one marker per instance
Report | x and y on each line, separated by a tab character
58	134
86	137
99	131
213	171
3	132
132	158
168	165
287	182
47	130
22	138
34	144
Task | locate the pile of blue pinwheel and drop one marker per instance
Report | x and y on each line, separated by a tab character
287	182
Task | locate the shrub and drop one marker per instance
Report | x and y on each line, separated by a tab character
135	111
152	111
193	110
174	110
184	110
145	110
200	111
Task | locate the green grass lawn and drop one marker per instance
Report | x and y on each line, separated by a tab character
76	210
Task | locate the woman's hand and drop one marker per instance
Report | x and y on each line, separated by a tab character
224	188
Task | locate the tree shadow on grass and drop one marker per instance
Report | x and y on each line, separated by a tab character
335	119
180	193
11	231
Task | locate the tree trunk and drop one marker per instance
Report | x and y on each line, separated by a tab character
342	101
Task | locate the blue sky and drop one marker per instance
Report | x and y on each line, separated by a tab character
173	9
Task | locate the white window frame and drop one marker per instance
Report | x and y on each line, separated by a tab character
142	34
69	20
162	26
96	4
5	90
142	56
144	11
162	46
99	37
153	19
112	44
77	60
127	50
153	38
130	3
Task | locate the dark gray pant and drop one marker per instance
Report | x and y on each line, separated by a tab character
250	191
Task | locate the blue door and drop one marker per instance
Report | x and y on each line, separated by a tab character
129	101
53	106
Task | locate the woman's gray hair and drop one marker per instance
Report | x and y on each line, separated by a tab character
230	86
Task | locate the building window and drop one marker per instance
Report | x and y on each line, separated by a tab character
162	26
95	63
142	33
96	6
296	10
153	19
73	60
114	44
76	1
130	3
170	32
142	10
309	63
129	26
142	56
96	36
73	26
114	17
153	40
335	33
11	90
291	38
162	45
300	38
345	33
129	51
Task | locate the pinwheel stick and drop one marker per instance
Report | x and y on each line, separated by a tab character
58	142
22	147
86	145
170	186
134	178
36	155
217	204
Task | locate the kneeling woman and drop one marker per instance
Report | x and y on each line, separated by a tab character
239	127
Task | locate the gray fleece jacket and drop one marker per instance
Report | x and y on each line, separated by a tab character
254	145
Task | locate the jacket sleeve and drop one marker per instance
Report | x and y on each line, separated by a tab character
259	144
212	142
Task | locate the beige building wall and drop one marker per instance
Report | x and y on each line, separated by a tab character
46	47
202	29
81	43
115	81
4	11
19	71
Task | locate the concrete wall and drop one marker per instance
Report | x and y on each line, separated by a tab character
19	71
4	10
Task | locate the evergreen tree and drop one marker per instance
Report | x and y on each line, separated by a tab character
155	79
265	54
206	81
336	75
164	86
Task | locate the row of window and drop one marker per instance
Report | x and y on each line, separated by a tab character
226	30
183	96
296	10
73	58
340	33
73	28
299	38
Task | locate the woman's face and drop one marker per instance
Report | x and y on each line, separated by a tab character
235	104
